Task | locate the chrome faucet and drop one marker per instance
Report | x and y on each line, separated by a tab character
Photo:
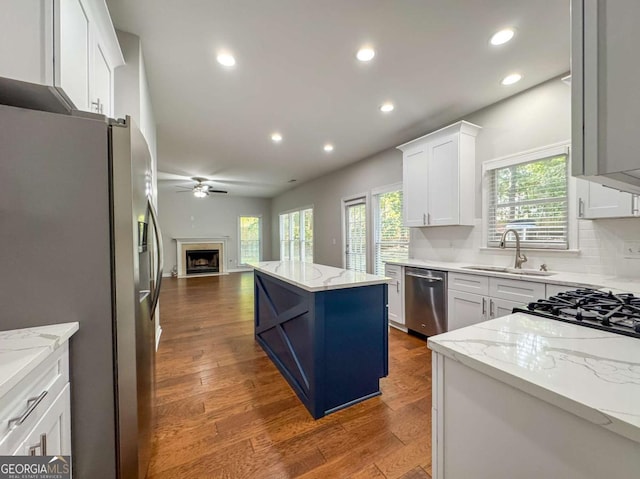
520	258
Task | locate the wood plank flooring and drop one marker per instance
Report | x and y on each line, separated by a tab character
225	412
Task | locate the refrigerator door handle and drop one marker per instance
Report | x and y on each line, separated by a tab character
160	253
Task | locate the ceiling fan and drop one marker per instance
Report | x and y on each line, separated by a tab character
201	189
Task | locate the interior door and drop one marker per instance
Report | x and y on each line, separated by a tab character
355	227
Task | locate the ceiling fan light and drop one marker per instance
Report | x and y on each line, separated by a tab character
200	191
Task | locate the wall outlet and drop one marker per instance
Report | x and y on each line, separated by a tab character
631	249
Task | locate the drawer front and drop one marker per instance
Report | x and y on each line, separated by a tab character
22	407
469	283
515	290
393	271
51	436
553	289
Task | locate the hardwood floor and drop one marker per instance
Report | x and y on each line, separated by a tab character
224	410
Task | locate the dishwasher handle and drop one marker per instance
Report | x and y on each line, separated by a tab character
431	279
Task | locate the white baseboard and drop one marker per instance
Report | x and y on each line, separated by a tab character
398	326
158	334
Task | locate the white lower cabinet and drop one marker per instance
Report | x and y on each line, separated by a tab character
396	295
51	436
476	298
36	418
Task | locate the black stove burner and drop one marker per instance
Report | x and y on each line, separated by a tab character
617	313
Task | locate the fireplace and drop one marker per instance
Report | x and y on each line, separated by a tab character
207	256
202	261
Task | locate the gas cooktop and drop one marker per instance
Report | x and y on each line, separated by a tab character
616	313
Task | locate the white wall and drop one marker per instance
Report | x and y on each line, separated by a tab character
537	117
325	195
182	215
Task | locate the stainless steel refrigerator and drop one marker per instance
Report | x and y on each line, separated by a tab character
79	241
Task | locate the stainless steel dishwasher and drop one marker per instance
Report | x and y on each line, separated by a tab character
425	300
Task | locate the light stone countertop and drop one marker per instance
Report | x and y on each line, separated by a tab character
317	277
590	373
577	280
22	350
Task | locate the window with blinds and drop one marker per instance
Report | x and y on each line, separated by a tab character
296	235
249	239
391	238
356	235
531	198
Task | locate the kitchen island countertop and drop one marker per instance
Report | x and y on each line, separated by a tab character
21	350
590	373
317	277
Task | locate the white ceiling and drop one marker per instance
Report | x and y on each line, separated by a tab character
296	73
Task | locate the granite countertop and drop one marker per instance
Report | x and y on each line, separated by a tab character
578	280
590	373
22	350
317	277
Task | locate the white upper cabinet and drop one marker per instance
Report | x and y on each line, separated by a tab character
439	177
87	52
26	40
415	195
72	67
102	83
598	201
70	44
605	99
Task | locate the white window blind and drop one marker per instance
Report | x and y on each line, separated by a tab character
249	239
296	235
531	198
356	235
391	238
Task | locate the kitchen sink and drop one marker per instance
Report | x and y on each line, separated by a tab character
501	269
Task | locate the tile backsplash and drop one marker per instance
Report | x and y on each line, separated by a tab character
600	245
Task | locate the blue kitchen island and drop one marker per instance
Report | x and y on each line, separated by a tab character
325	329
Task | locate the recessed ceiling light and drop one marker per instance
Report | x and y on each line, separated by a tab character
328	147
226	59
511	79
276	137
502	37
365	54
387	107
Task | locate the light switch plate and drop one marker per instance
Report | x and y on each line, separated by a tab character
631	249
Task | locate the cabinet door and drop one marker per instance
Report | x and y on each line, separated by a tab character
605	96
414	186
597	201
395	293
465	309
26	41
501	307
53	428
443	182
72	53
101	83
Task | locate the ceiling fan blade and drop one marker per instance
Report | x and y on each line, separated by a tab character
217	191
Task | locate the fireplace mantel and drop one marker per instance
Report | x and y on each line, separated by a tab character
184	244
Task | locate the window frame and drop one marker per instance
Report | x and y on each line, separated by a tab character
375	193
302	248
260	238
556	149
